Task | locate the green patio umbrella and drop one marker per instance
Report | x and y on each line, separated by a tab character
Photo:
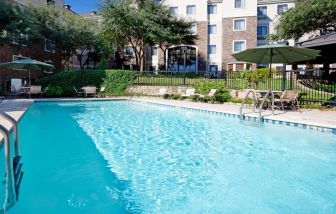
27	64
276	53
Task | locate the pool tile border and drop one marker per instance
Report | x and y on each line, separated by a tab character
225	114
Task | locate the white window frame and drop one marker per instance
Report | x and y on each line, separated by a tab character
213	5
170	10
209	49
23	57
195	26
215	29
243	5
156	52
236	19
191	5
45	46
233	45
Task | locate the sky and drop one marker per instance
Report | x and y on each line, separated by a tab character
83	6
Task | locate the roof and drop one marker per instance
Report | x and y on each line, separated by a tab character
329	39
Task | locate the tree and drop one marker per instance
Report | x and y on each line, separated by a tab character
142	22
307	16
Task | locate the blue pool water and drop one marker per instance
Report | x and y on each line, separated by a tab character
132	157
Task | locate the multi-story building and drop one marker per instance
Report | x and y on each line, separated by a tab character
21	48
223	28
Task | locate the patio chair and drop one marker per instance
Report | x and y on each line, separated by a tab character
14	91
34	90
77	92
288	98
102	91
211	94
189	92
90	90
44	91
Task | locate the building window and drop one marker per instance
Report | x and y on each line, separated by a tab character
49	45
20	38
262	30
238	46
239	3
51	2
213	68
128	51
173	11
191	9
212	49
262	12
239	66
154	51
193	29
212	29
212	9
282	8
19	57
239	24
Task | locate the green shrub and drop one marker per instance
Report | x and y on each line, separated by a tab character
166	96
204	87
54	91
194	98
176	96
115	81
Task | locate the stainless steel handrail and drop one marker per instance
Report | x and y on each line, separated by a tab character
263	101
244	101
10	183
15	130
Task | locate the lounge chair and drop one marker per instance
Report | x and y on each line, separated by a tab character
102	91
211	94
78	92
288	98
189	92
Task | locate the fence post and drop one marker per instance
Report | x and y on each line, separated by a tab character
283	86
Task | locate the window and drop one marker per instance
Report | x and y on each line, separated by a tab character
262	12
212	29
238	24
20	38
191	9
154	51
262	30
193	29
19	57
238	46
239	3
239	66
282	8
213	68
128	51
51	2
212	9
49	45
212	49
173	11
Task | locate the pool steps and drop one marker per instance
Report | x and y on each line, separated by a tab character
13	165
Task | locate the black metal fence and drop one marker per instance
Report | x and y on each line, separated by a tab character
314	88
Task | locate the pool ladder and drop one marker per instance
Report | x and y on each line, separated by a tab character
268	94
13	165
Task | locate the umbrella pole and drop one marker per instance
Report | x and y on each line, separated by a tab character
270	70
29	83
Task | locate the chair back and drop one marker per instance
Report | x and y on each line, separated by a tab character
212	92
75	88
290	94
190	91
90	89
102	89
35	89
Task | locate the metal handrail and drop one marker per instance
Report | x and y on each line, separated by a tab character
263	101
10	183
15	130
244	101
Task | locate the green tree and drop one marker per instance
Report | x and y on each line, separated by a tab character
307	16
138	23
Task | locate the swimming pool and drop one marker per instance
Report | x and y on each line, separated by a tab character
134	157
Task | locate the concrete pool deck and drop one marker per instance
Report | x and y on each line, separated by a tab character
314	117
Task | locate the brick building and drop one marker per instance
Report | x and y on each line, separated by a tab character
20	47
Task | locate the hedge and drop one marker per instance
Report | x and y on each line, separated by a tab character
114	81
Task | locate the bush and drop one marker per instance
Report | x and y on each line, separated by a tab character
115	81
176	96
166	96
54	91
204	87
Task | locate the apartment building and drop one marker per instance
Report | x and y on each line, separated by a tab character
21	48
223	28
